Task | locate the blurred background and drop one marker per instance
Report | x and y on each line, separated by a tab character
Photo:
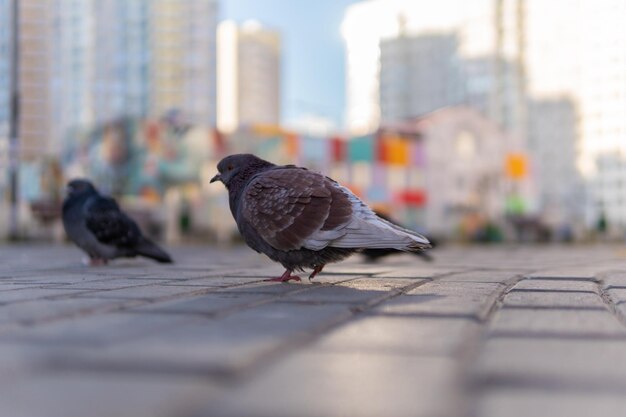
489	120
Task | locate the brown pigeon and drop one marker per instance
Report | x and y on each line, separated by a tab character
301	218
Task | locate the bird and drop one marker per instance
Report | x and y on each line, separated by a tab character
373	254
301	218
96	224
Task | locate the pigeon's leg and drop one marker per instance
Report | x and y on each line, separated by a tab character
316	271
284	277
97	262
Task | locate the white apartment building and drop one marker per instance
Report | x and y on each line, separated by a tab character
88	62
374	31
249	59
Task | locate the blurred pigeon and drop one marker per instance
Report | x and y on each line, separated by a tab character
374	254
96	224
303	219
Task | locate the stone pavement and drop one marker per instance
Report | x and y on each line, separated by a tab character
482	331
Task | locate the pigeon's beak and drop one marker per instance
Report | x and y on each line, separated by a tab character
217	177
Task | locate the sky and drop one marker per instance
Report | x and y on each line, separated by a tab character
313	52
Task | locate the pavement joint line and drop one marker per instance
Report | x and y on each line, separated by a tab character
610	304
470	350
461	316
502	334
210	373
548	383
559	279
83	312
214	314
551	291
551	307
499	301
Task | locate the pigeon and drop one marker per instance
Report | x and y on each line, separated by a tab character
96	224
301	218
373	255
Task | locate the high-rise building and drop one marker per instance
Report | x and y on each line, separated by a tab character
552	137
86	62
121	70
432	42
36	124
248	75
5	70
418	75
183	61
575	57
71	69
157	56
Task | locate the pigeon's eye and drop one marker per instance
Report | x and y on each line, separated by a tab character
230	167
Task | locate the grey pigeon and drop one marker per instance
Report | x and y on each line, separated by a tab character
96	224
301	218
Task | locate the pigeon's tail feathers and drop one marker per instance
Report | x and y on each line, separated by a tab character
151	250
379	233
369	232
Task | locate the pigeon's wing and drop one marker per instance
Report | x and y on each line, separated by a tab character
288	206
109	224
294	208
367	230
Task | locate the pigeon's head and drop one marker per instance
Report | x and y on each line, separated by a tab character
79	187
239	168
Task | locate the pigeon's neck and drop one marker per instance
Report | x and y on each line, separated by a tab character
239	182
77	200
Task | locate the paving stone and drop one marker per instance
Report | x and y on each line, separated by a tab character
13	286
573	364
422	270
401	335
144	292
557	323
353	291
269	287
355	268
204	304
446	298
215	281
614	279
26	294
105	395
618	295
550	299
348	384
100	330
108	284
556	285
30	312
376	284
586	272
491	276
537	402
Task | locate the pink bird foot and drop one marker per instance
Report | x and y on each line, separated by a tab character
97	262
284	277
316	271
